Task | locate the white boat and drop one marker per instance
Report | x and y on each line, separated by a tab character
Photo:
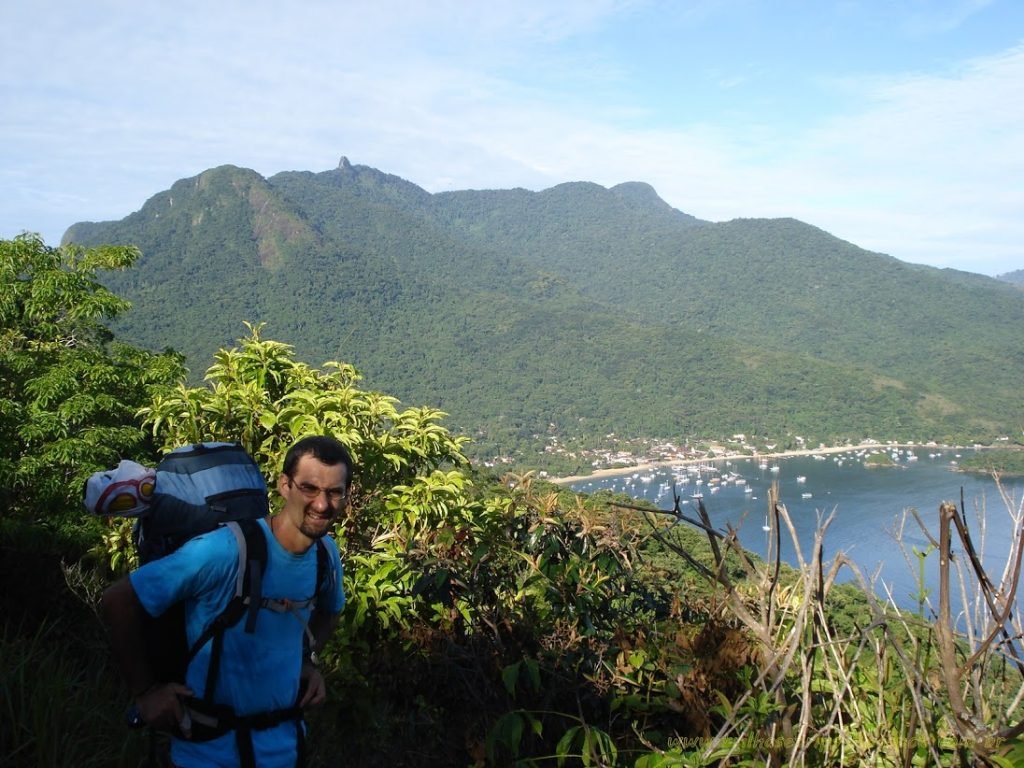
805	495
801	478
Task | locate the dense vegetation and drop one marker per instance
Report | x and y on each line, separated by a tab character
491	621
1016	277
1006	462
574	312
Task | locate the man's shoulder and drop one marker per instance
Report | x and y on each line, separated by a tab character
210	552
218	542
205	565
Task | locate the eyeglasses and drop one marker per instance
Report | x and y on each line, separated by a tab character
312	492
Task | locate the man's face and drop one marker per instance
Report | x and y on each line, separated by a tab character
313	495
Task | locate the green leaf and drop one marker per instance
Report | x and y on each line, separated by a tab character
509	676
508	733
562	749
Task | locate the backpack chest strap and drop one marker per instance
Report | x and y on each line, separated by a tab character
283	605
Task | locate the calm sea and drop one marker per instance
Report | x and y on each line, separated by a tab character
868	506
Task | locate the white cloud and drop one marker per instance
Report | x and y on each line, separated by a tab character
936	160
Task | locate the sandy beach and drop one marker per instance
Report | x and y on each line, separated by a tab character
645	466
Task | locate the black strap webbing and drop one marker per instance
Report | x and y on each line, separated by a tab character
255	563
212	720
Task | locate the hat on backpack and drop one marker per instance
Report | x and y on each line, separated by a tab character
126	490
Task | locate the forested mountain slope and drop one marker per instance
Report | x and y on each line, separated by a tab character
577	309
1016	277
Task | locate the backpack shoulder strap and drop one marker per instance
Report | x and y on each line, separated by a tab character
252	562
323	568
252	559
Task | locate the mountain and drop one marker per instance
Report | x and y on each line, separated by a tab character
575	311
1016	277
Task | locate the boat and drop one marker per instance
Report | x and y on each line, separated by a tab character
805	495
801	478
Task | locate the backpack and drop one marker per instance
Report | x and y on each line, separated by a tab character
193	490
197	488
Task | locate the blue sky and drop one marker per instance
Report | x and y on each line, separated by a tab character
897	125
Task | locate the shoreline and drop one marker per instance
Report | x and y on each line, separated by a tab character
644	466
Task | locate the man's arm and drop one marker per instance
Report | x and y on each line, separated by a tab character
158	703
321	626
314	690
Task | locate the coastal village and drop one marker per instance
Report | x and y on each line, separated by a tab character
640	455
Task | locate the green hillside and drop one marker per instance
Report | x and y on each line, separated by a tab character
575	311
1016	277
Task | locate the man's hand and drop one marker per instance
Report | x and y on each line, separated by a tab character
312	685
160	706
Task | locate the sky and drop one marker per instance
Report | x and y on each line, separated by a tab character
897	125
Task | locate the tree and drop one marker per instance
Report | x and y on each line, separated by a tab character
68	393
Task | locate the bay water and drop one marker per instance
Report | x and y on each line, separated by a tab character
868	506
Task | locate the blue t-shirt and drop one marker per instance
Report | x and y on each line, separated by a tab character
259	672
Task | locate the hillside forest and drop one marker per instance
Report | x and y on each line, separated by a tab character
549	324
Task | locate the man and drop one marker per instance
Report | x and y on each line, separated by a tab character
260	674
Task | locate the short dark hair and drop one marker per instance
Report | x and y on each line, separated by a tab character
323	448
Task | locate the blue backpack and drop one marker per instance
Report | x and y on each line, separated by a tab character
199	487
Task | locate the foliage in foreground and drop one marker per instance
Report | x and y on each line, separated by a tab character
506	623
60	703
942	687
68	392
